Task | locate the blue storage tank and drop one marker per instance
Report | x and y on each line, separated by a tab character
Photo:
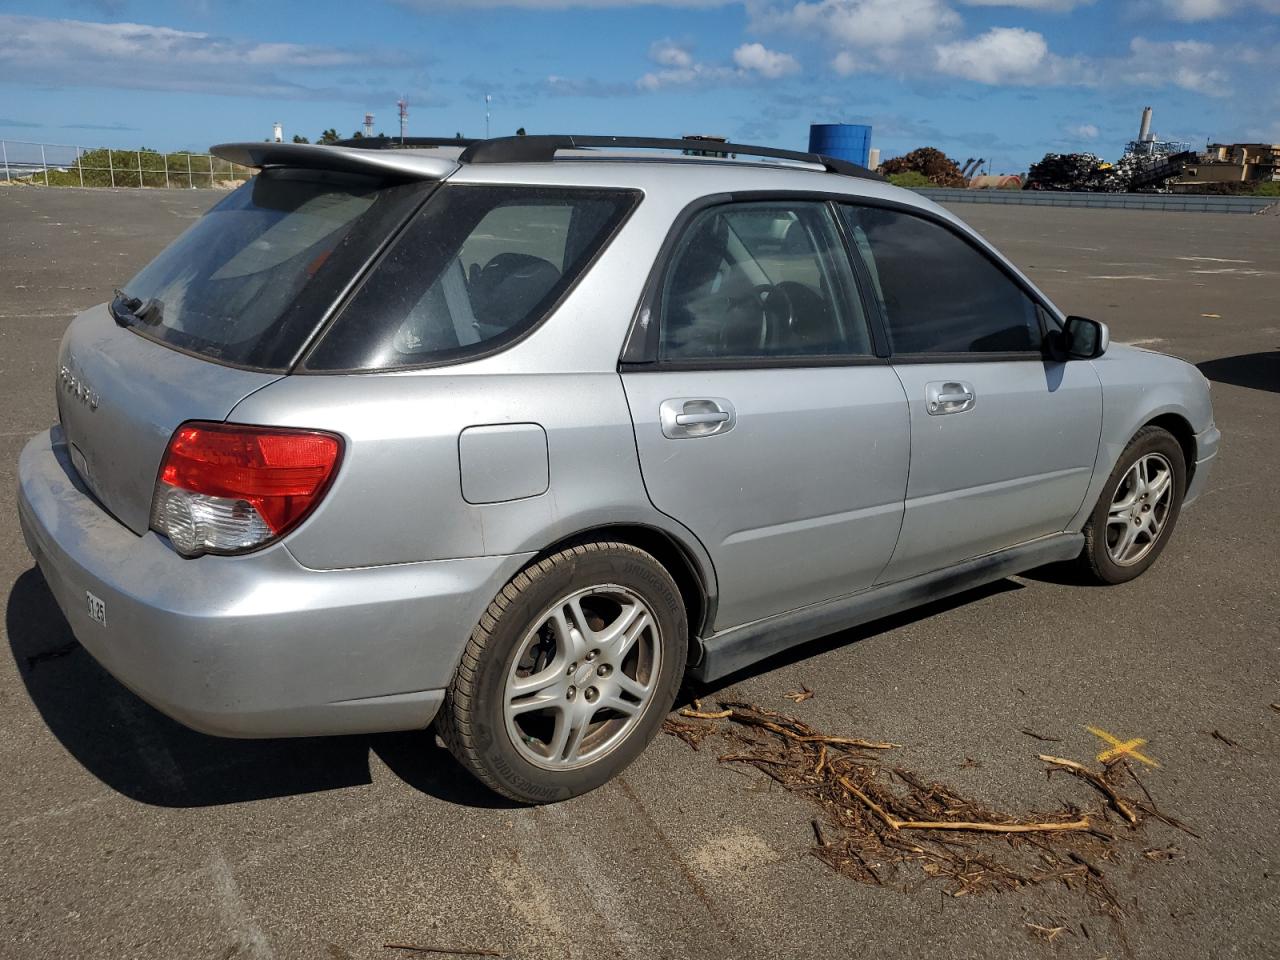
844	141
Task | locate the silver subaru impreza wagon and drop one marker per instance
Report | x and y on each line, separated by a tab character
513	435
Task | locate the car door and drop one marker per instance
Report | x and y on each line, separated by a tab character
764	421
1003	437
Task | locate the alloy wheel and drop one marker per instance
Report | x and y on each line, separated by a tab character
582	677
1139	509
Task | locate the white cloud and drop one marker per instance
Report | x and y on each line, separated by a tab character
427	5
1001	55
1190	64
147	57
768	63
668	53
1083	131
878	26
845	63
696	74
32	39
1192	11
1013	56
1056	6
680	68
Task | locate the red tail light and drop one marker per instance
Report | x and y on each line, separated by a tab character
227	488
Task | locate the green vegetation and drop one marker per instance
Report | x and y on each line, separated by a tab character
911	179
1269	189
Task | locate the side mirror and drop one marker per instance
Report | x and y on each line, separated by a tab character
1084	339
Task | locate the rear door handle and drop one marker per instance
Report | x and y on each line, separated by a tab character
948	396
687	418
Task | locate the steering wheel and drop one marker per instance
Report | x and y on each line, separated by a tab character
765	305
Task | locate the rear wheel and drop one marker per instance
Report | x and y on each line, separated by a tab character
569	673
1138	509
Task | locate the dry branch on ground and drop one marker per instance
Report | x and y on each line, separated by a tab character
879	818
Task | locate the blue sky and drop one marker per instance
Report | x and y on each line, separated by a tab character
1004	79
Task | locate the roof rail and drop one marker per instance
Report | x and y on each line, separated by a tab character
392	143
542	149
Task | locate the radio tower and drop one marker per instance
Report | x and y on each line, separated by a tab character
368	124
403	104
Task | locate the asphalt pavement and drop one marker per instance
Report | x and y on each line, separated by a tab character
122	834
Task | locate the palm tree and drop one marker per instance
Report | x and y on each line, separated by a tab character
329	136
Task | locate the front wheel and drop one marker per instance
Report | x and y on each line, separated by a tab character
569	673
1138	509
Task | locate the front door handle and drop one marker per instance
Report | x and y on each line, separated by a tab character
948	396
686	418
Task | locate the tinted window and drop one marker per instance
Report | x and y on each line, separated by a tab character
477	268
939	294
246	284
756	280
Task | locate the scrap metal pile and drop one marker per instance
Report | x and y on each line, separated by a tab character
1088	172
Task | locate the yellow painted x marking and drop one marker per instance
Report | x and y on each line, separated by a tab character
1121	748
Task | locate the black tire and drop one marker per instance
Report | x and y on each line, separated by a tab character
1096	560
472	721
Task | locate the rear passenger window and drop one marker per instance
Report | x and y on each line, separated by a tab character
761	280
477	268
938	293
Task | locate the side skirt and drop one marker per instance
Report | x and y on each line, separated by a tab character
739	647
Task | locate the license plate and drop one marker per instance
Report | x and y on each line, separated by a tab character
97	609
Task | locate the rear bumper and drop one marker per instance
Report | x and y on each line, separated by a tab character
1206	452
256	645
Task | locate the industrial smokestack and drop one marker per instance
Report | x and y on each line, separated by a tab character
1144	132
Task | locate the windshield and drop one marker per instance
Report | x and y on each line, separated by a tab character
251	280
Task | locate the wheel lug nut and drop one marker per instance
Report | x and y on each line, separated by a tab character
592	655
592	694
572	667
571	693
604	670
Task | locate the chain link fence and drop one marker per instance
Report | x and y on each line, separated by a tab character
27	163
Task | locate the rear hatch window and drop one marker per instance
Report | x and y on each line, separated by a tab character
250	281
477	269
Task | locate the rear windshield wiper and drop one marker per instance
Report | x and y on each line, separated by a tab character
129	310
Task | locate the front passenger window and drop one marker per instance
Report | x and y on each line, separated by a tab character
761	280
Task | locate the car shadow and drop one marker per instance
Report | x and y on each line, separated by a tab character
142	754
1068	573
1259	371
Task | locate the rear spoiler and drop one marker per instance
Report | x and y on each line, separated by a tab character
346	159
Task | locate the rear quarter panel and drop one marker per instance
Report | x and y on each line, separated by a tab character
398	496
